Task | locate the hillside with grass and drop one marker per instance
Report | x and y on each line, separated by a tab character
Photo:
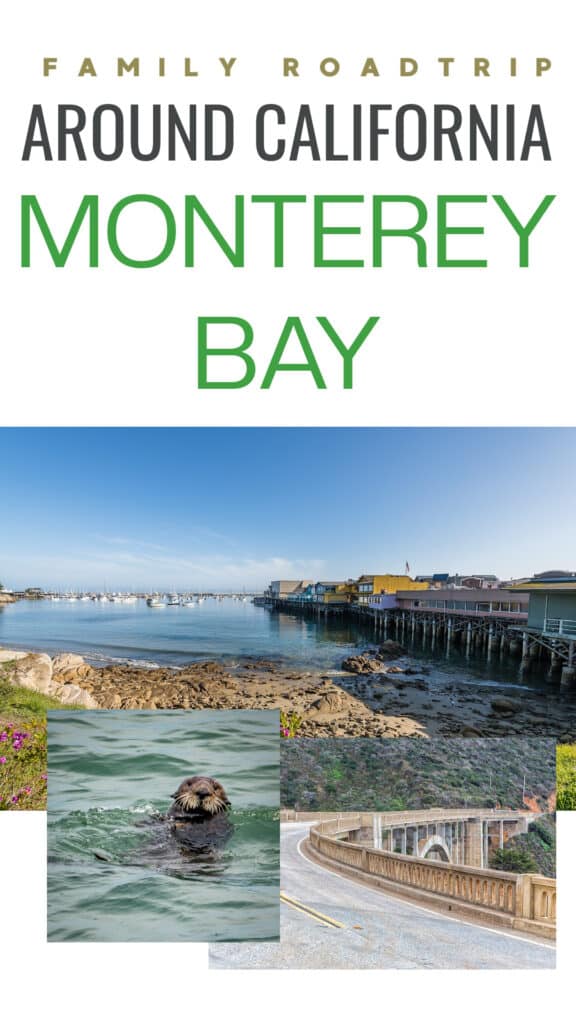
532	851
396	775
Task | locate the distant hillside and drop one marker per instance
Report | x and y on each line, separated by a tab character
388	775
538	846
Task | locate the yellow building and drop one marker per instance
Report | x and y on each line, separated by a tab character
335	592
368	586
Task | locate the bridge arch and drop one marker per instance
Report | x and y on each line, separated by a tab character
434	844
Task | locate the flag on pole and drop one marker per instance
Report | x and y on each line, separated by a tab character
407	569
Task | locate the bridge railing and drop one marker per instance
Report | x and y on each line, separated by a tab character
400	818
342	823
521	898
540	898
494	889
289	815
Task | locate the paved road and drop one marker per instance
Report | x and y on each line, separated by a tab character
378	931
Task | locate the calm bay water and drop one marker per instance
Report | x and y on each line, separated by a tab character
115	872
225	630
172	635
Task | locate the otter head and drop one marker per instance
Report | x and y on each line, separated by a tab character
201	794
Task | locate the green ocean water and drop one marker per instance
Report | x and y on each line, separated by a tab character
115	872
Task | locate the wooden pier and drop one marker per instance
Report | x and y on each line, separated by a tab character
488	636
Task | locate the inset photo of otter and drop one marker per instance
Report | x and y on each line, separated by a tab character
163	826
413	854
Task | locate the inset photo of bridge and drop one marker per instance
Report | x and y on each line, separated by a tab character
413	854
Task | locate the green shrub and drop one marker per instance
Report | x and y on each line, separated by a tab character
23	757
543	832
290	724
566	778
23	772
514	860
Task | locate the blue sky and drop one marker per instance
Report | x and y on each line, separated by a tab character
226	508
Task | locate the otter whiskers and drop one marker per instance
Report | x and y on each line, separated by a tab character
188	801
214	804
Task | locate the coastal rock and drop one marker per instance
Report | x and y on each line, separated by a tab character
263	664
69	693
64	662
7	656
330	702
33	672
419	684
70	668
391	649
361	664
327	708
504	705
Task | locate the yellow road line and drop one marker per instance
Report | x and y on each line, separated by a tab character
310	912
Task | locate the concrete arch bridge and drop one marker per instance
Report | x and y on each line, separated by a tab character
440	857
463	836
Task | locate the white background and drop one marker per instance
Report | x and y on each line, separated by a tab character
117	346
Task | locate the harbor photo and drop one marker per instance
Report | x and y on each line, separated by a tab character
391	582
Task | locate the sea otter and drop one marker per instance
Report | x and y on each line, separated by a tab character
198	815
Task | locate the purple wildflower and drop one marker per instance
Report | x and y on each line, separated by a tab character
2	760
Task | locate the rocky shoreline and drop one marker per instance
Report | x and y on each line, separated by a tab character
378	693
